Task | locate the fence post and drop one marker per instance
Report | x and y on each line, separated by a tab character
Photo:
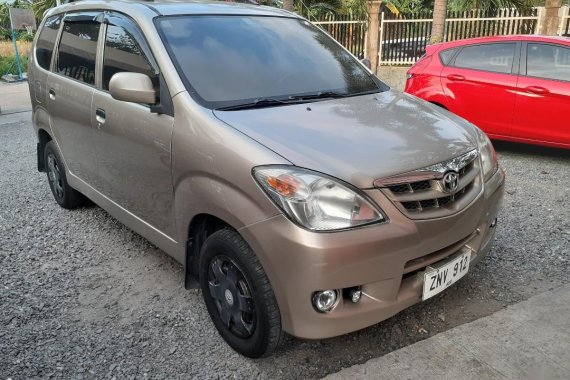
540	13
380	39
373	29
563	18
366	41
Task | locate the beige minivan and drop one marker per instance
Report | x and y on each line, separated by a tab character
300	192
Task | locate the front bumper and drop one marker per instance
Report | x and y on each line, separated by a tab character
386	260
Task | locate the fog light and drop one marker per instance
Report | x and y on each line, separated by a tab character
355	295
324	301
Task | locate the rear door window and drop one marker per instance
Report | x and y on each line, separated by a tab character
46	41
78	49
548	61
497	58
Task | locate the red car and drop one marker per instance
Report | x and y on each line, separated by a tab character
515	88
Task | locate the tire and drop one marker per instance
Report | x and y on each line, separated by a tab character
64	195
238	295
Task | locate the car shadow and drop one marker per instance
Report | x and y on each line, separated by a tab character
527	149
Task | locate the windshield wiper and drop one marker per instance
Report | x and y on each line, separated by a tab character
257	103
331	95
319	95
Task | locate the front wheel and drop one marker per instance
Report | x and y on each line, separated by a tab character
238	295
64	195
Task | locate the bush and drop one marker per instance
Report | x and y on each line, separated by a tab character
5	34
8	65
25	36
21	35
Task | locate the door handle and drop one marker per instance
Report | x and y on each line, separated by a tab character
52	94
455	77
537	90
100	115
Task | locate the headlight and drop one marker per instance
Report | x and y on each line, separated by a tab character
489	162
315	201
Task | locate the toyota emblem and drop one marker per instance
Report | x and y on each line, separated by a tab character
450	181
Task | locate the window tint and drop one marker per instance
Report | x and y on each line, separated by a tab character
77	50
123	53
497	58
229	60
446	55
548	61
46	41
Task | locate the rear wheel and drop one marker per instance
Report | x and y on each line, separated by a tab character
238	295
64	195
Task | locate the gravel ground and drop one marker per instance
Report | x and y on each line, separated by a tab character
84	297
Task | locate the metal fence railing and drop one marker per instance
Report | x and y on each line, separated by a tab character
350	33
403	38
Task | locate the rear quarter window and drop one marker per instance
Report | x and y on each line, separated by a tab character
46	41
446	55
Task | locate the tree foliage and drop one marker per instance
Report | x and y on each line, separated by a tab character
5	31
41	6
489	5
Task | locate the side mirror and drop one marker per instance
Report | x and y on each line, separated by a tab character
366	62
132	87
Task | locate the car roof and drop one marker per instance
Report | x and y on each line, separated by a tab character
514	38
175	7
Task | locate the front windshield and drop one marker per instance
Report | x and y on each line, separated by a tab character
232	60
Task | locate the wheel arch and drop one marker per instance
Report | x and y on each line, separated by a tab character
200	228
43	138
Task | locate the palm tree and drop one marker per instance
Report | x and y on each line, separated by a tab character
552	20
41	6
288	5
438	26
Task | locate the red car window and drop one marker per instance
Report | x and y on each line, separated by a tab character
548	61
496	58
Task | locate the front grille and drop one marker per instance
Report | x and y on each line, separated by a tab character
436	190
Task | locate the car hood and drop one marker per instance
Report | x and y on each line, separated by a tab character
358	139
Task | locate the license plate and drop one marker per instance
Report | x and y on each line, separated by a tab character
442	277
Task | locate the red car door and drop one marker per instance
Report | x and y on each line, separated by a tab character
543	96
480	85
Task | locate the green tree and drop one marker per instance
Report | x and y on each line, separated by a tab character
315	9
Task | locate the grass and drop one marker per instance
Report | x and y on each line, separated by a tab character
7	48
8	58
9	65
